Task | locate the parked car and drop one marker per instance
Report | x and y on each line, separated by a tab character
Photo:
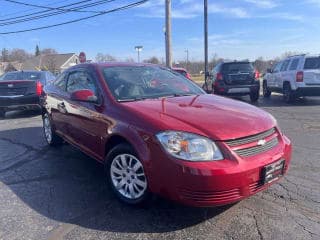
294	77
182	71
171	139
21	90
236	79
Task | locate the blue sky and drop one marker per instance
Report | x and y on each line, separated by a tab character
238	29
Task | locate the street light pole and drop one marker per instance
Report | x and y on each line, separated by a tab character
206	72
138	49
168	34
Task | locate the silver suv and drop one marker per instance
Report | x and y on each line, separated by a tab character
294	77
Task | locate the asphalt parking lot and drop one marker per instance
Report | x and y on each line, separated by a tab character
59	193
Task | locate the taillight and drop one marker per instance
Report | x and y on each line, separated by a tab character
299	76
256	75
188	76
39	88
219	77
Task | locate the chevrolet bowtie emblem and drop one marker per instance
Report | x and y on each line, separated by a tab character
261	142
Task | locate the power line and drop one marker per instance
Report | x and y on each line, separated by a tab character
47	7
56	13
29	10
49	13
80	19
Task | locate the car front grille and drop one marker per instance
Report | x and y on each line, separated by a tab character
247	152
269	137
211	196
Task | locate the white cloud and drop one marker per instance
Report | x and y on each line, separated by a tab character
315	2
263	3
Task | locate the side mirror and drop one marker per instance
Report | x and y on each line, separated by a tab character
269	70
84	95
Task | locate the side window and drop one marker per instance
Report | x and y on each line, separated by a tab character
80	80
285	65
60	82
10	76
277	67
294	64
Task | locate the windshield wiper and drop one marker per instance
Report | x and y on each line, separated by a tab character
132	99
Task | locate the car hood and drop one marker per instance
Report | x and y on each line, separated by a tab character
216	117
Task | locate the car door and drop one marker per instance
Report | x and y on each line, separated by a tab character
54	103
87	125
276	76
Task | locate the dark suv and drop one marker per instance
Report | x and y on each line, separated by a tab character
236	79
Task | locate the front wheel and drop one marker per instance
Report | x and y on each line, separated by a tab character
254	96
288	94
126	175
51	137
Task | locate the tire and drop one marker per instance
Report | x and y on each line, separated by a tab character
2	113
254	96
288	94
51	137
266	90
126	176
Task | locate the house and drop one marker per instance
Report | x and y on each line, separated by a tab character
54	63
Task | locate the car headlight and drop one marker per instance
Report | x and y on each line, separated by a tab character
188	146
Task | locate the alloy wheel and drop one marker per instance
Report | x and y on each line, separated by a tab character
128	177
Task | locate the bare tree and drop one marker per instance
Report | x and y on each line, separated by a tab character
47	51
100	57
129	59
153	60
19	55
4	55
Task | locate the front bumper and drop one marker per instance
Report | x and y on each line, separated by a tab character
204	184
14	102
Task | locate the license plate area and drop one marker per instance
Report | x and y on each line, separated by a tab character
272	171
239	90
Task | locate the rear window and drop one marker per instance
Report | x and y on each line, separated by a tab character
237	67
312	63
31	76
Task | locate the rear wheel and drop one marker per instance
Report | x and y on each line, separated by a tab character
266	90
51	137
254	96
288	94
2	112
126	176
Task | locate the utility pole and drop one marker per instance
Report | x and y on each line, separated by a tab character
206	72
187	51
168	34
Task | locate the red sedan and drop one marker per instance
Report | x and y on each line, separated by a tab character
168	138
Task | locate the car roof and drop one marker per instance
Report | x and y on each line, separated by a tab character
116	64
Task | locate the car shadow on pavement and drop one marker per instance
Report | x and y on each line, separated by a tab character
21	114
64	185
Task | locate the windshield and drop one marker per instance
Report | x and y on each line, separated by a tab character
130	83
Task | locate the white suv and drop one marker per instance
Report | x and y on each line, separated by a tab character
294	76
